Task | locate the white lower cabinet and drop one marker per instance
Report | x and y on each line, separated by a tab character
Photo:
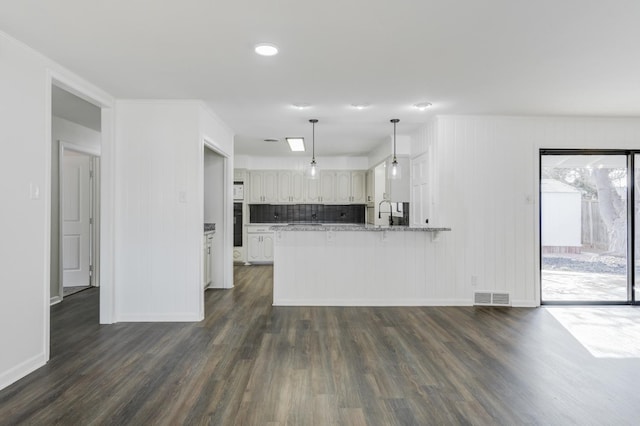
260	244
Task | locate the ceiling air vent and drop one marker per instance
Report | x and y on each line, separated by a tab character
488	298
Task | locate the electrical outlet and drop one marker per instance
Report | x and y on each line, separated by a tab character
474	280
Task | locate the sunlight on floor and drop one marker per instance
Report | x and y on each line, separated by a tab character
606	332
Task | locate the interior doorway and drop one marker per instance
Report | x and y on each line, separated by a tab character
75	194
217	211
586	227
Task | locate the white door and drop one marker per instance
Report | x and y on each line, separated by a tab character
76	228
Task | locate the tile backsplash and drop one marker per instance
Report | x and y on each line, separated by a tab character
296	213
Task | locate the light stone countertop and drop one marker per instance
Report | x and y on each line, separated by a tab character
350	227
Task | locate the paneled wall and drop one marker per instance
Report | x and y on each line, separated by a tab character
158	211
486	190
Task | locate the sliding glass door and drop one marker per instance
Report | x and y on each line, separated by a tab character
585	223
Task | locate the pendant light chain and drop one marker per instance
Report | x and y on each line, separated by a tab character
394	140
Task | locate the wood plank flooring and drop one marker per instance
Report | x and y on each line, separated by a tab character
250	363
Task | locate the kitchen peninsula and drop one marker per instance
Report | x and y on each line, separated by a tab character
355	265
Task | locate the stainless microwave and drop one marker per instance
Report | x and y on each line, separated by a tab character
238	191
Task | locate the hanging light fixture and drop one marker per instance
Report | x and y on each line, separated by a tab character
312	171
394	173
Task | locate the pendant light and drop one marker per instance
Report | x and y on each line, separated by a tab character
312	171
394	173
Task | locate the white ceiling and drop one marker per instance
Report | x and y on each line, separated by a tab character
546	57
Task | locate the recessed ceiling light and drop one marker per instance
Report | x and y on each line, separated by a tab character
271	140
422	106
266	49
301	105
296	144
360	106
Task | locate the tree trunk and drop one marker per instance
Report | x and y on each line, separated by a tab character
613	212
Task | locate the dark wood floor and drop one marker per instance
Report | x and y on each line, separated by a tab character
250	363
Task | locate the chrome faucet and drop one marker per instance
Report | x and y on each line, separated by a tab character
390	211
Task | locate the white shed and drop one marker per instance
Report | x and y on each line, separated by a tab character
561	215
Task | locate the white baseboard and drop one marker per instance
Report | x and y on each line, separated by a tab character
524	304
55	300
184	317
372	302
19	371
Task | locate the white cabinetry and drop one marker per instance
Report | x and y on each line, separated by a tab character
350	187
207	259
263	186
290	186
260	240
371	187
321	190
327	186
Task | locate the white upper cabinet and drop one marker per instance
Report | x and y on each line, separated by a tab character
371	186
350	187
327	186
359	187
290	186
343	187
312	192
263	186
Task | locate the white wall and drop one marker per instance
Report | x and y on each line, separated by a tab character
385	149
159	212
297	163
24	229
66	131
25	166
487	192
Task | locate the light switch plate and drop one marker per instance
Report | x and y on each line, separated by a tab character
34	191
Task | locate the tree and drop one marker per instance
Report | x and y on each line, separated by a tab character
612	210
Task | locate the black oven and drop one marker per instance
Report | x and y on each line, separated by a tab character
237	224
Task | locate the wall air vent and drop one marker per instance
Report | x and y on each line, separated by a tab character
488	298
